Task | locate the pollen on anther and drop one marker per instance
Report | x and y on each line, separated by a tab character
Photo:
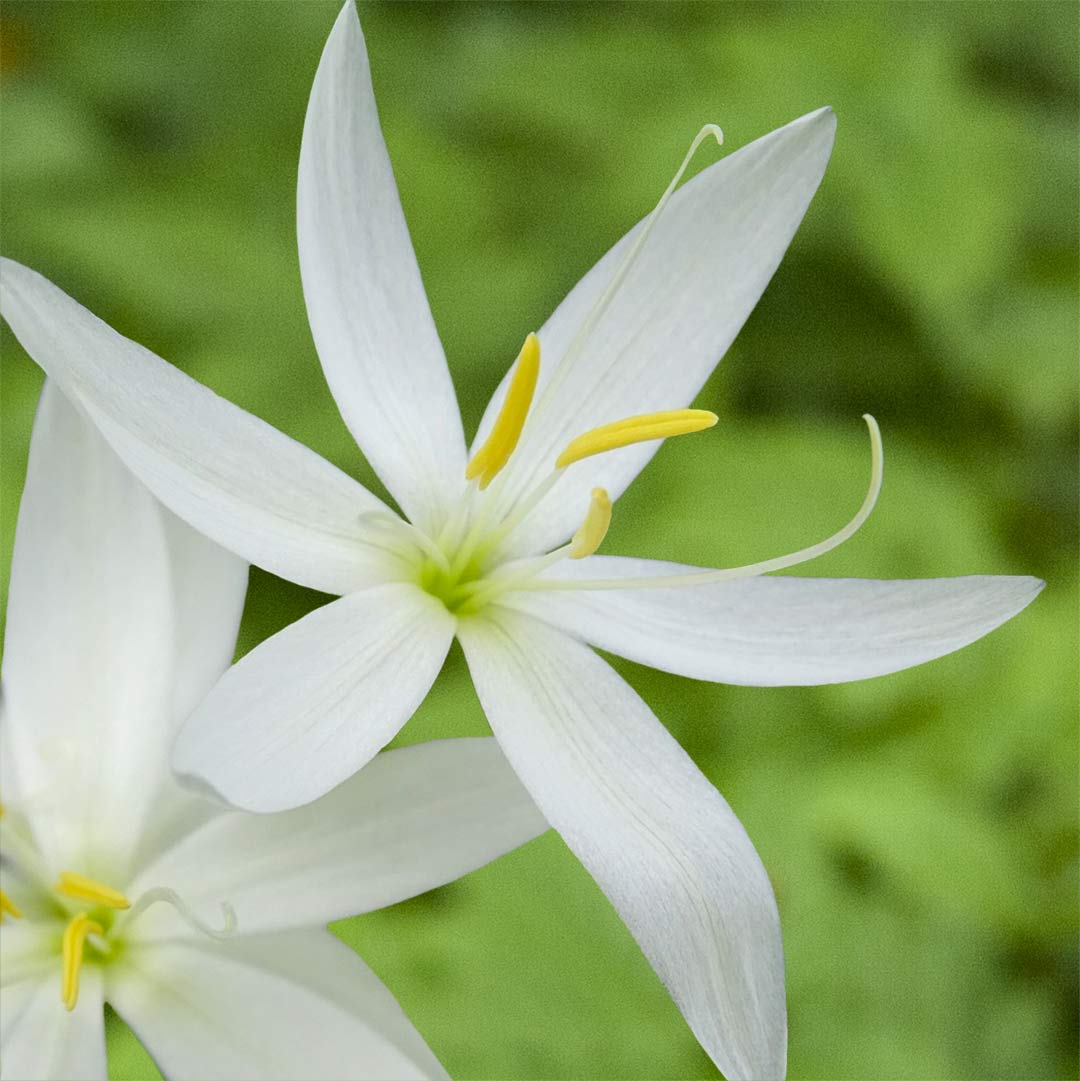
80	888
594	528
74	944
639	429
505	433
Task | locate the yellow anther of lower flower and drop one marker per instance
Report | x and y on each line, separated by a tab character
594	528
82	888
8	907
74	940
635	430
506	432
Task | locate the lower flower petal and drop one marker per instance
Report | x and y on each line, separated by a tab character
413	819
766	631
299	1004
41	1041
88	660
658	838
208	588
308	707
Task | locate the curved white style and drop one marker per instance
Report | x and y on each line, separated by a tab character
496	547
202	926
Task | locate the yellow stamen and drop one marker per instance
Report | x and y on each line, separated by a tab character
74	939
506	432
594	528
8	907
635	430
82	888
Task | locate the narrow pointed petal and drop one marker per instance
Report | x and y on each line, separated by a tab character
267	1007
308	707
87	671
412	819
660	841
369	314
209	587
696	279
779	631
209	584
230	475
41	1041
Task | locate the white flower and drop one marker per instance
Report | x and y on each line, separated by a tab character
504	560
205	929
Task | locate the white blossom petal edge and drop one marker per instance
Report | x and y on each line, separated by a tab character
202	926
509	532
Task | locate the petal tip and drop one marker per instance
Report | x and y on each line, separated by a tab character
825	118
1033	586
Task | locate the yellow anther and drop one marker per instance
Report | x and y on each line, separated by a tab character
506	432
635	430
74	940
594	528
82	888
8	907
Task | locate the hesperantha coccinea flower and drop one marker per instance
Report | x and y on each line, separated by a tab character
204	927
498	546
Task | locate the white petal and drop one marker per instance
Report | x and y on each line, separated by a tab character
366	303
208	584
311	705
232	476
778	631
292	1005
28	945
41	1041
413	819
697	278
657	837
87	670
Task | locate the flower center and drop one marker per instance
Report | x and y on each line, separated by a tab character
451	584
96	921
463	567
91	923
95	916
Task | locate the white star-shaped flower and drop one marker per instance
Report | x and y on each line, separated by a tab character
496	547
204	928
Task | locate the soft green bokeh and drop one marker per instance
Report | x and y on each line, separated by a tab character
921	829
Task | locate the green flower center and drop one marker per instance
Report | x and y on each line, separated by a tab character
457	583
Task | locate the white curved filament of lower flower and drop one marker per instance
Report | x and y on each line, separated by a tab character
96	924
171	897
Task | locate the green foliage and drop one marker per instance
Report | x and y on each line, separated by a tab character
920	829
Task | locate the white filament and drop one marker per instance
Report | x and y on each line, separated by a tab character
751	570
598	309
171	897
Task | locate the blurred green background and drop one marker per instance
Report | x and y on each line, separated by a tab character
920	830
